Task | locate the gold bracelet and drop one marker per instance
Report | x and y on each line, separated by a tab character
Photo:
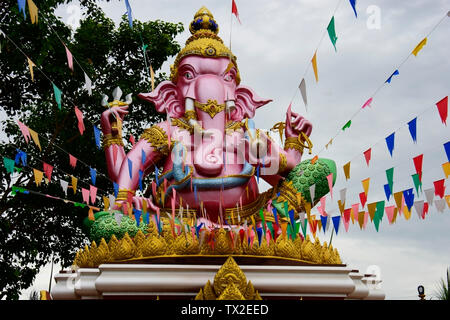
109	140
283	163
190	114
123	194
293	143
157	137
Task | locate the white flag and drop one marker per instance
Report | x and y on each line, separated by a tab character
312	192
118	217
440	205
64	185
429	193
302	88
343	194
112	199
88	84
418	205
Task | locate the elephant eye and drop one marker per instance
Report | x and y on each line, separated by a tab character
188	75
228	77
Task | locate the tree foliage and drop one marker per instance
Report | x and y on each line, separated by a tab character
34	228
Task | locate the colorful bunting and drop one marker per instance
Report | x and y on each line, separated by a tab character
72	161
347	125
336	221
408	195
365	184
9	165
314	64
447	149
440	205
302	88
22	157
353	4
58	94
330	184
446	168
417	182
361	215
30	66
429	194
69	58
390	142
390	178
48	169
443	109
25	131
391	212
21	4
312	190
74	184
398	197
332	32
234	10
80	118
97	136
35	138
64	186
93	173
93	193
419	206
439	188
347	170
367	155
418	165
367	103
412	125
38	175
419	47
387	191
343	193
363	199
85	194
371	208
390	78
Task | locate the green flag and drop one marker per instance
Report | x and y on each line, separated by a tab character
304	225
347	125
390	178
379	211
57	95
417	183
9	164
332	32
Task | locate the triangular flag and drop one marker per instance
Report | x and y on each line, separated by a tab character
93	193
58	94
323	221
314	64
439	188
21	4
343	193
367	103
72	161
387	191
418	165
393	74
35	138
33	11
367	155
130	168
440	205
390	142
347	125
365	184
447	200
85	194
347	170
93	173
417	183
234	10
355	209
38	175
353	4
419	206
74	184
152	77
69	58
406	210
21	156
412	125
390	213
9	164
419	47
105	203
130	17
336	221
88	84
30	66
341	206
116	189
390	178
409	198
398	197
446	168
330	184
429	194
447	149
48	169
361	215
302	88
312	191
332	32
97	136
371	208
443	109
363	199
80	118
366	218
64	186
25	131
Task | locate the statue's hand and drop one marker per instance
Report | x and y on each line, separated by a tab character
111	115
295	124
138	203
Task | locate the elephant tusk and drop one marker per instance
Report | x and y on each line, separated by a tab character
128	99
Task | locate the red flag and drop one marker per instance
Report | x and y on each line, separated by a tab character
425	210
93	193
48	171
72	161
80	117
367	155
439	188
418	165
443	109
234	10
363	198
132	140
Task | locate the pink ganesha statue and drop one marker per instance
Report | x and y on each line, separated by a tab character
208	156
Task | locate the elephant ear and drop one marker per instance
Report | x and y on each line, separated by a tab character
165	99
247	101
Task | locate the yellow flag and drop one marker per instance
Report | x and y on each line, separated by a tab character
144	205
91	214
419	47
31	65
284	229
352	215
38	175
398	196
406	212
329	143
347	170
319	224
33	11
152	77
395	215
361	219
314	64
105	203
35	138
446	168
365	184
308	210
371	208
74	184
341	206
447	199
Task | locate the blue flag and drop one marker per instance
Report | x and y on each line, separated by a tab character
137	216
390	142
390	78
259	231
447	149
21	156
116	189
387	191
409	198
257	174
324	222
336	221
21	4
197	229
97	137
156	176
130	18
93	175
353	4
141	173
143	157
130	167
274	210
147	218
413	129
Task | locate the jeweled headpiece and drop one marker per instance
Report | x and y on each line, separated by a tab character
204	42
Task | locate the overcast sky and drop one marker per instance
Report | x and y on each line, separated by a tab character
274	45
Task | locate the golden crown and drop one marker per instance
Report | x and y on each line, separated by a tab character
204	42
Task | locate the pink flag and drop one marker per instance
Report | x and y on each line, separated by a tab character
330	185
48	171
69	59
93	193
234	10
72	161
132	140
367	155
366	218
80	117
367	103
346	224
321	208
439	188
390	213
355	208
25	131
443	109
85	193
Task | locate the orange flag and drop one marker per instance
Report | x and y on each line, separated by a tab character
91	214
74	184
371	207
35	138
31	65
38	175
314	64
446	168
347	170
314	160
152	77
105	203
365	184
33	11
